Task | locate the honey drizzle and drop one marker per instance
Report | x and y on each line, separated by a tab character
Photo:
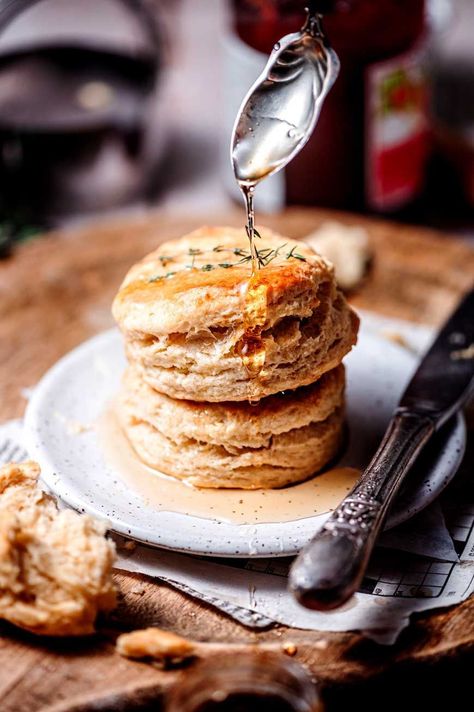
251	346
163	493
247	190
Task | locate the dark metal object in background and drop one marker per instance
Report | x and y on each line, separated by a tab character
330	568
79	130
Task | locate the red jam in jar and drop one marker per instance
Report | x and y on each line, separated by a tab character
369	148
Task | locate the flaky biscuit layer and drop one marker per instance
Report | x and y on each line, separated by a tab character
183	331
282	440
195	282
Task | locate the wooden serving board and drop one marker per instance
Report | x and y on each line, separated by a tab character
54	293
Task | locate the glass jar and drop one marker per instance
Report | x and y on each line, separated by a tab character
370	145
254	681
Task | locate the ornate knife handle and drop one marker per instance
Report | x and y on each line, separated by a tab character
330	568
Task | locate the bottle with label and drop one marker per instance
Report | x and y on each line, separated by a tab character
369	149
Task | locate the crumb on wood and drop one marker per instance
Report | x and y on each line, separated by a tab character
138	590
289	649
160	645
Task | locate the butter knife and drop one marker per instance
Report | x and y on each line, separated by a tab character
330	568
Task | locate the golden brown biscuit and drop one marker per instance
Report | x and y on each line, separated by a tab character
282	440
55	566
181	310
232	424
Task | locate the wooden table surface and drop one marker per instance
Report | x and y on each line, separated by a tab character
54	293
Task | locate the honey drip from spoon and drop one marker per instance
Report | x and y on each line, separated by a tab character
274	122
251	346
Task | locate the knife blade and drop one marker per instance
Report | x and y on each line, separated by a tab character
442	380
330	568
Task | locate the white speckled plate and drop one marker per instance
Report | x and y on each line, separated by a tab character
79	386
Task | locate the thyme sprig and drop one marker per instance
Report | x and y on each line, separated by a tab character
294	254
159	277
255	233
264	256
165	259
193	252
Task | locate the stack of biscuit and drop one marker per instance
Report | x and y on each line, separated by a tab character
189	405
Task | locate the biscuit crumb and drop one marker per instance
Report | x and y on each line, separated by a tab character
347	247
55	566
76	428
139	589
154	643
72	427
128	545
289	649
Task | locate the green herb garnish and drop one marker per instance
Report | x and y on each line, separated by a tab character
296	255
164	259
264	256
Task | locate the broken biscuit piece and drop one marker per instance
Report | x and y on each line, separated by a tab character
55	566
154	643
347	247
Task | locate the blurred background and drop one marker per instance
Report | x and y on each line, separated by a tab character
117	105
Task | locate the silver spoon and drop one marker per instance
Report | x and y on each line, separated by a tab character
280	111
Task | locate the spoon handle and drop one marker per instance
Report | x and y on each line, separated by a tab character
331	567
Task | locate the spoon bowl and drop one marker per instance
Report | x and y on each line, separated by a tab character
280	111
